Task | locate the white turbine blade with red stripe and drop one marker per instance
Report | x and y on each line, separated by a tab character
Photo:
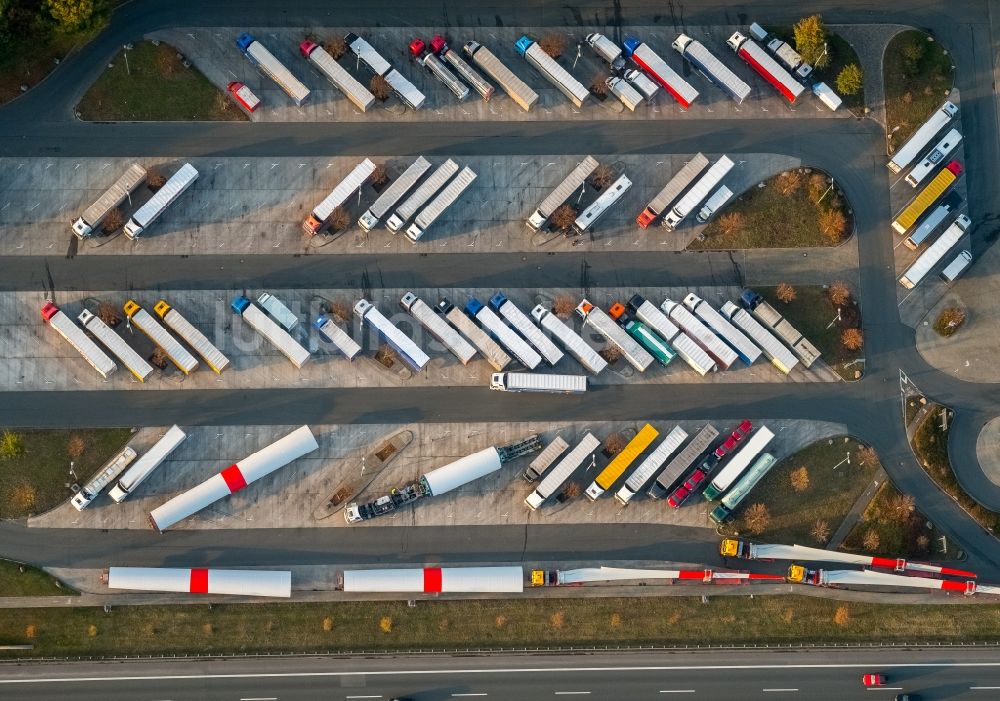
202	581
434	580
885	579
764	551
234	478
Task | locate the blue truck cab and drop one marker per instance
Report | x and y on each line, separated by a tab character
239	304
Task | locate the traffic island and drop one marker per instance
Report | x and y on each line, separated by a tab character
918	75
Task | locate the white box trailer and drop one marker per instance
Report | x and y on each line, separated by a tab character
272	68
562	192
737	340
266	327
421	195
827	96
723	355
658	70
556	476
318	218
546	459
602	204
686	348
490	349
144	321
935	252
648	467
392	194
105	476
640	82
711	67
346	83
92	217
412	354
596	318
520	348
531	382
714	203
75	336
629	96
769	69
520	321
573	342
672	190
145	465
278	311
440	329
739	463
442	201
516	88
935	158
158	203
957	266
212	356
329	330
404	89
698	192
683	461
606	49
552	71
909	151
135	363
778	354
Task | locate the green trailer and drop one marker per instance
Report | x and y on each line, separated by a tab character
649	340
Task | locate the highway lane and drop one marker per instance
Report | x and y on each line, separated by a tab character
823	675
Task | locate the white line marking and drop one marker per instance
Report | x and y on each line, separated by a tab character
481	693
983	688
571	693
260	698
676	691
364	697
779	689
884	688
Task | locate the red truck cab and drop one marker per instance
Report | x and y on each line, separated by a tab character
243	96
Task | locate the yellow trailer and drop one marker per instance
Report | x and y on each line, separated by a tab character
928	196
621	462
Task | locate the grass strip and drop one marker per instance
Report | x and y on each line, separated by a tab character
17	579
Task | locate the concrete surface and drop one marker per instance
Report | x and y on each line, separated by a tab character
988	450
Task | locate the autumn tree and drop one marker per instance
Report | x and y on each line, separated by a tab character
553	44
788	183
731	223
810	41
614	444
385	624
70	14
850	79
114	221
572	491
159	358
602	176
901	506
923	542
108	313
563	306
155	179
839	292
785	293
341	309
335	46
339	219
852	339
557	620
912	52
949	321
563	217
817	186
611	354
867	456
598	85
11	445
871	540
380	87
800	479
841	616
24	496
832	224
820	531
76	447
380	176
757	518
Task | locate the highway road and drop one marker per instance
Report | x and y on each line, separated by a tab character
820	675
40	124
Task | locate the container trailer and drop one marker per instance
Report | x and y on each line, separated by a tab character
272	67
144	321
421	195
534	382
440	329
522	323
329	330
642	474
212	356
711	67
490	349
562	192
320	216
135	363
129	182
346	83
672	190
621	462
269	329
442	201
525	354
516	88
557	475
657	69
552	71
392	194
145	465
409	351
573	342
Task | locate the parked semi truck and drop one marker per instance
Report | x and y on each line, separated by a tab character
930	223
520	321
331	331
714	203
392	194
562	192
552	71
212	356
145	465
144	321
606	49
957	266
533	382
683	461
320	216
711	67
429	60
773	321
570	340
645	336
105	476
421	195
642	83
739	463
516	88
622	461
491	350
442	201
270	330
135	363
546	459
557	475
158	203
736	339
936	157
626	94
520	348
657	69
440	329
778	354
597	319
602	204
935	252
723	355
272	68
769	69
469	74
928	196
129	182
642	474
412	354
672	190
346	83
827	96
914	146
740	490
76	337
404	89
698	192
278	311
243	96
689	351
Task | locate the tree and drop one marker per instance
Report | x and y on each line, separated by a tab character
810	41
76	447
553	44
800	479
850	80
563	306
785	293
598	86
70	14
159	358
11	445
602	177
572	491
155	179
327	624
912	52
820	531
788	182
24	496
852	339
833	224
385	624
611	354
871	540
380	87
108	313
341	309
114	221
901	506
757	518
949	321
817	186
336	47
380	176
564	216
923	542
867	456
339	219
614	444
839	292
841	617
557	619
732	223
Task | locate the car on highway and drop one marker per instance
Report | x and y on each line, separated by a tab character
680	494
743	430
873	679
907	697
726	446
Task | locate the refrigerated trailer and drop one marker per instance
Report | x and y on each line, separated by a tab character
442	201
935	252
144	321
723	355
135	363
520	348
552	71
490	349
392	194
657	69
714	203
440	329
272	68
622	461
628	95
642	83
520	321
105	476
557	475
601	205
212	356
516	88
318	218
769	69
642	474
570	340
739	463
278	311
711	67
773	321
269	329
533	382
85	224
672	190
689	351
736	339
404	89
596	318
409	351
469	74
158	203
243	95
429	60
957	266
145	465
683	461
75	336
346	83
329	330
421	195
562	192
928	196
778	354
698	192
937	155
909	151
